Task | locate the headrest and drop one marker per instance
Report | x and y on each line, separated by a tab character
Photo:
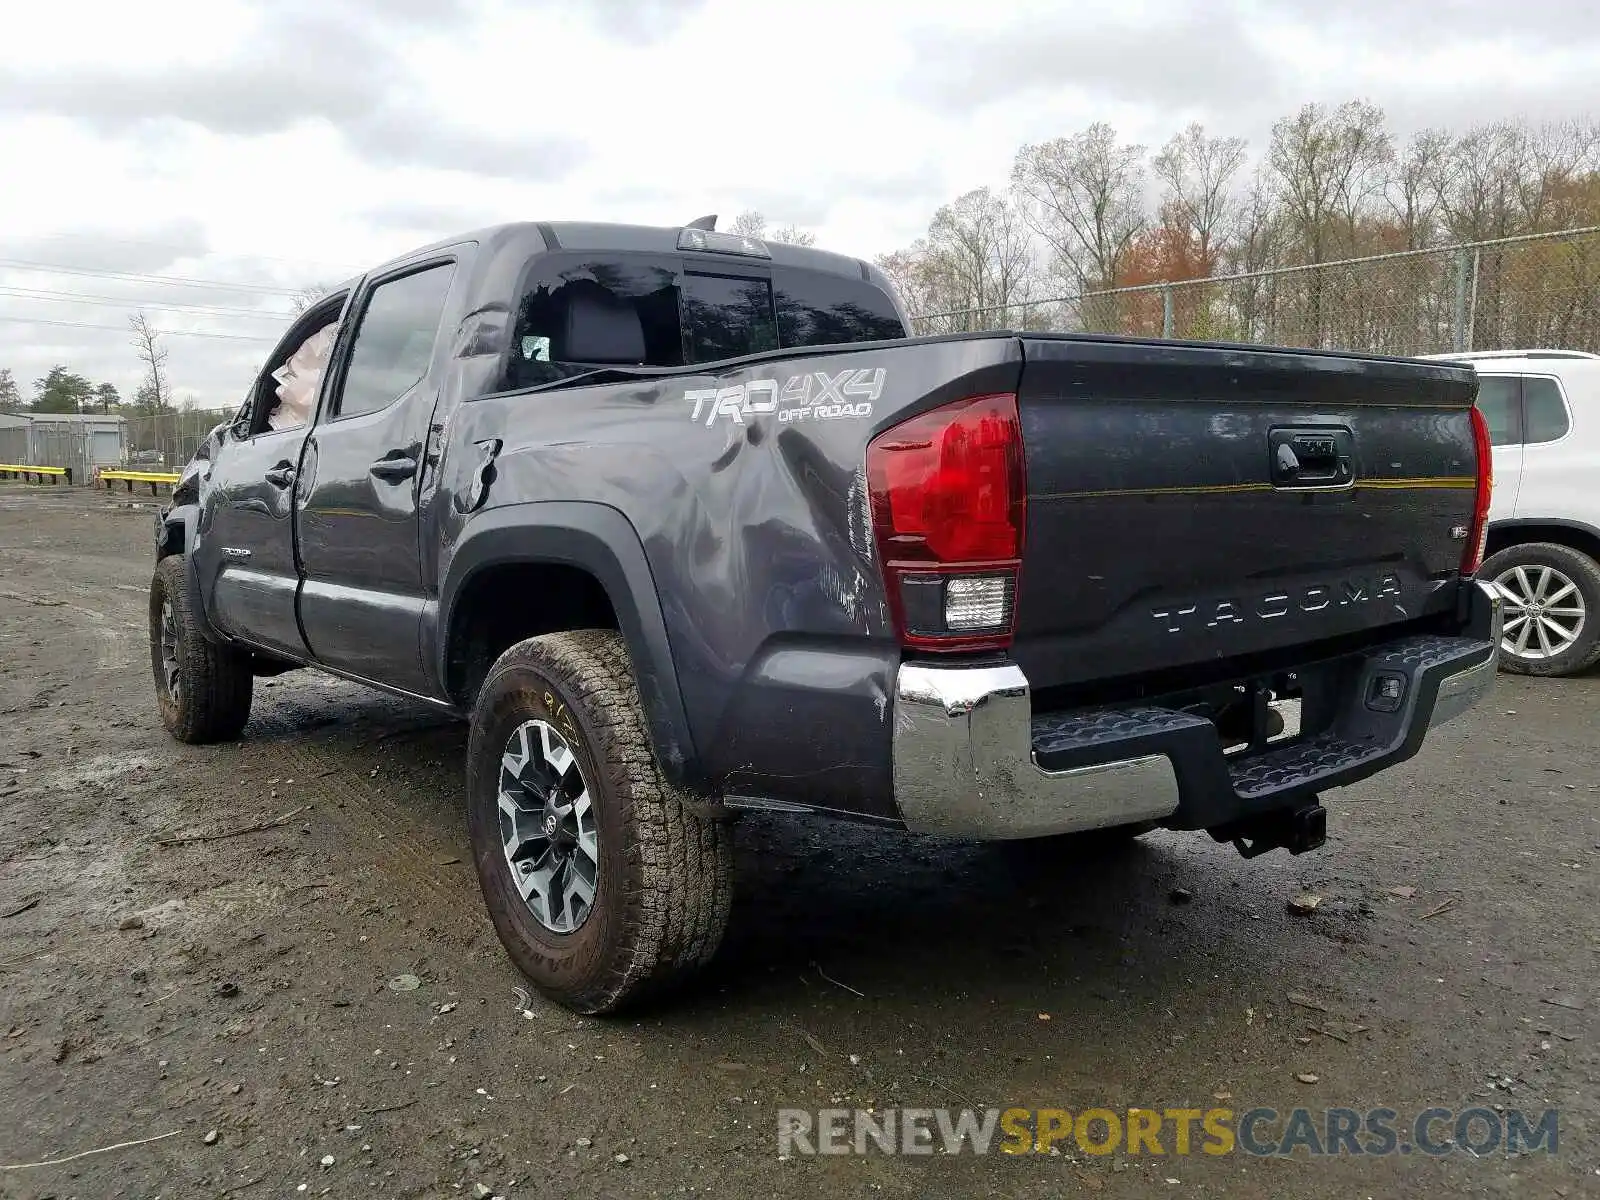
599	328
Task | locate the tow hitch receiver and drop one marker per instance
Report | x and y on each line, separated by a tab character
1293	829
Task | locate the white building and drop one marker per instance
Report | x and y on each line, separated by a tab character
82	441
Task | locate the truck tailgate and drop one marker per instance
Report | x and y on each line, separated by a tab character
1191	502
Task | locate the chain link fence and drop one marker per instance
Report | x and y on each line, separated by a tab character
165	440
1540	290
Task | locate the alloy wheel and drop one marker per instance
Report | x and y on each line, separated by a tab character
1544	612
547	826
169	651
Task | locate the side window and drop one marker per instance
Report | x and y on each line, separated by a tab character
393	341
1544	411
815	309
576	314
1500	401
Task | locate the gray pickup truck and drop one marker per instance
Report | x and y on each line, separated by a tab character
686	524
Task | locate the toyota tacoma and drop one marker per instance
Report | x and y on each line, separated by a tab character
685	524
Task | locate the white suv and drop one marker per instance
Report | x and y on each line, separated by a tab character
1543	412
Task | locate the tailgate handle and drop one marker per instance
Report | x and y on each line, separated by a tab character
1312	457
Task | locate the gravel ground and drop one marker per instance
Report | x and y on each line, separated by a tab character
241	994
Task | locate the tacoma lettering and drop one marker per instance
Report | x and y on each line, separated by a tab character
1211	614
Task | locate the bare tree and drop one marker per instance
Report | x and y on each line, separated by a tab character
1332	185
156	390
749	223
983	249
793	235
919	283
1084	195
973	270
1554	156
1254	244
1423	173
1198	172
986	250
1329	167
1482	202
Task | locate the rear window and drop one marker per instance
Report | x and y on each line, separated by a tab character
819	310
577	313
725	316
1500	401
1544	412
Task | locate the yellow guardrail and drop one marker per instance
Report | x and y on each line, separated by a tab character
153	478
34	474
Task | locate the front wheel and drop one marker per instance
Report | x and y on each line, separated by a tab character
605	885
1552	608
203	690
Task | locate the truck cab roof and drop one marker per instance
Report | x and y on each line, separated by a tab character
611	237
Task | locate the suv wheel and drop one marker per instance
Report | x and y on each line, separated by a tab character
603	882
1552	608
203	690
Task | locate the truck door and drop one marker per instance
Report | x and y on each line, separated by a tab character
245	558
362	596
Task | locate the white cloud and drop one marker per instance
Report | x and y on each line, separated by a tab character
280	142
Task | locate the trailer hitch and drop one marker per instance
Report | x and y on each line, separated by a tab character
1293	829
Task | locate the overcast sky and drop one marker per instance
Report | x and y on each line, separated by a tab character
276	143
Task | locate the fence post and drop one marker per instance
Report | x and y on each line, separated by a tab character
1166	310
1458	323
1472	301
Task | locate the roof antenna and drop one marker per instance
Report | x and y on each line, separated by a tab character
709	224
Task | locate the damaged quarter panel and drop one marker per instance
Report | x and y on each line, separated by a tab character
744	486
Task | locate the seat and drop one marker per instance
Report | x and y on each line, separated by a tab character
599	328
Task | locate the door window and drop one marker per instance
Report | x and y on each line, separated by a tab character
394	341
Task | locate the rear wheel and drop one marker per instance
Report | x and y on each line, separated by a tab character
203	690
1552	608
605	884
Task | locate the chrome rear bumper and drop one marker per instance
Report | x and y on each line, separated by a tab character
964	764
968	748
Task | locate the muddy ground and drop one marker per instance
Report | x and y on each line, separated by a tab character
241	985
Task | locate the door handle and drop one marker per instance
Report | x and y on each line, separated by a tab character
1311	457
281	475
394	467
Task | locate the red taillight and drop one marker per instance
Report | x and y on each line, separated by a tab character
948	504
1472	556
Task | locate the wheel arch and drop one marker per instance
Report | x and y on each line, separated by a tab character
1518	531
571	547
175	534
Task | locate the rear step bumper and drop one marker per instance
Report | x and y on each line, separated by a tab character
972	761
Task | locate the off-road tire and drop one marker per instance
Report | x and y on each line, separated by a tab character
665	878
1585	573
214	682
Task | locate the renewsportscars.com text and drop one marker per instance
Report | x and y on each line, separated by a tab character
1261	1132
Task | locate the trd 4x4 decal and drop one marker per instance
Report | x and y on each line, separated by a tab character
816	396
